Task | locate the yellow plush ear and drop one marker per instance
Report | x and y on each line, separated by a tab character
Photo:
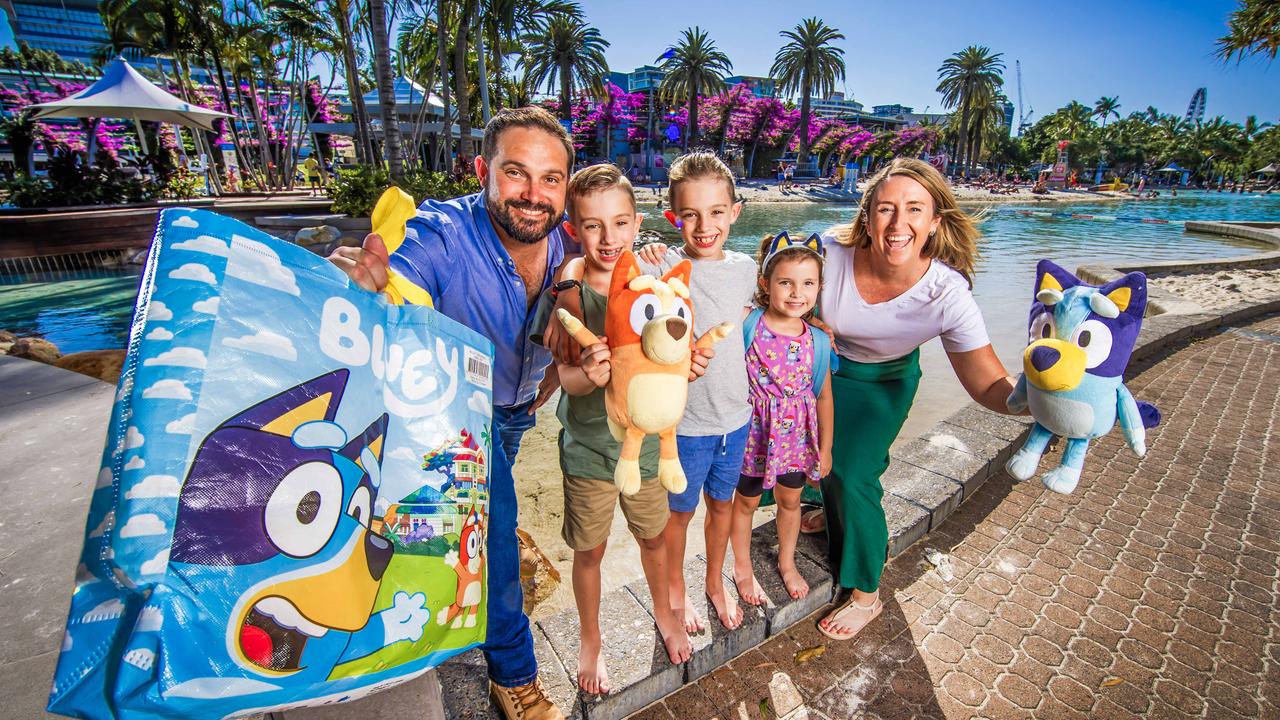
394	209
1048	282
1121	297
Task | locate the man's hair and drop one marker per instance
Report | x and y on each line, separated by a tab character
529	116
596	179
698	166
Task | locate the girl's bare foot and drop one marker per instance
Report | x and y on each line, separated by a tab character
674	636
592	677
687	615
794	581
749	589
726	608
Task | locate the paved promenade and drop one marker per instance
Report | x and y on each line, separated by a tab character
1151	592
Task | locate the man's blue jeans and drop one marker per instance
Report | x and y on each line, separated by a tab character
508	647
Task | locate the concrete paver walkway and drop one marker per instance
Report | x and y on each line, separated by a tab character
1151	592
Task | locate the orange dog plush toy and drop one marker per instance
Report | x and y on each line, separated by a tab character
649	326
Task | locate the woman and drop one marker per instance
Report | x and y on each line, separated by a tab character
900	275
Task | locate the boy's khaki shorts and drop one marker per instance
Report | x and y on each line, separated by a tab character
588	511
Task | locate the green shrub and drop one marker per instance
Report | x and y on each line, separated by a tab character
355	191
70	182
183	184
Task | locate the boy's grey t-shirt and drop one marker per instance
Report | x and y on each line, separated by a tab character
720	289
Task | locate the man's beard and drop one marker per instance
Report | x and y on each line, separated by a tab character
519	229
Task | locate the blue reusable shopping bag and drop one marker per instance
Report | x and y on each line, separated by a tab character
291	507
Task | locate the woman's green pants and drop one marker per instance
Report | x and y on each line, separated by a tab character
871	403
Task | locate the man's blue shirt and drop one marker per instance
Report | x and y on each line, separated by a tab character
452	251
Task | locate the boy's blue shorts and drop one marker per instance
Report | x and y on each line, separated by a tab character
712	464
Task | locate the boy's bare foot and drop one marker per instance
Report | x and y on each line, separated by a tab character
726	608
674	636
687	615
749	589
794	581
592	677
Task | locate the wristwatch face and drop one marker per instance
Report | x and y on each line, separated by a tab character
566	284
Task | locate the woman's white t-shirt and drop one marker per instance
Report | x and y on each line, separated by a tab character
940	304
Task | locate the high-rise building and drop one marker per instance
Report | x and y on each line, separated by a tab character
834	106
70	28
1195	108
645	78
891	110
759	86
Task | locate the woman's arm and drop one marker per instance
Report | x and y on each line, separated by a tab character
984	377
826	426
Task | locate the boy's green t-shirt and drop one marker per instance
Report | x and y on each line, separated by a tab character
587	448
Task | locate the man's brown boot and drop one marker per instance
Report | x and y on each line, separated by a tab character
525	702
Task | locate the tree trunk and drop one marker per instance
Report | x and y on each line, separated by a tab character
802	148
359	117
484	74
566	89
691	134
386	89
461	37
446	147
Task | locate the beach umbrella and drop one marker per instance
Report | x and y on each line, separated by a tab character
1171	167
1271	169
122	92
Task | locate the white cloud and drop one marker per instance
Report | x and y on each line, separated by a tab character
186	221
480	404
403	453
264	342
194	271
184	425
104	478
204	244
109	610
218	687
149	620
107	520
157	310
159	334
157	564
167	390
178	357
133	438
135	463
143	525
209	307
154	486
257	263
140	658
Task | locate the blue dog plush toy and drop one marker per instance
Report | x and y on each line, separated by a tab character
1081	337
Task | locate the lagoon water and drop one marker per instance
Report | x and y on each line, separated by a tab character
89	313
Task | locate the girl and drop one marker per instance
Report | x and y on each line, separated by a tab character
788	375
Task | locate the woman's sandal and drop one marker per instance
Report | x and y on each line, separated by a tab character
872	611
813	522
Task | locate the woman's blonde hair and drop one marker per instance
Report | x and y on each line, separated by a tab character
956	240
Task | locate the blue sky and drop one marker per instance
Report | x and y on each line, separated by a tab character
1147	53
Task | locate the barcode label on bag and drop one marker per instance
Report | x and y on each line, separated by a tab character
479	369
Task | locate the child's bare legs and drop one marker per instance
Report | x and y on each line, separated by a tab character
678	596
716	530
592	677
653	558
788	531
744	509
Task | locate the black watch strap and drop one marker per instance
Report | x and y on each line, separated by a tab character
564	285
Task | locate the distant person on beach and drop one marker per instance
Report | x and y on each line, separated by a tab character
312	168
897	277
485	258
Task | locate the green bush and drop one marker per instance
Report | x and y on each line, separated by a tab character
70	182
183	184
355	191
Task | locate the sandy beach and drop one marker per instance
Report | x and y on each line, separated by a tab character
766	191
1222	288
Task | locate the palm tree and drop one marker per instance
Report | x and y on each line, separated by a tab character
693	66
500	25
386	88
808	64
1106	107
1255	30
566	50
967	79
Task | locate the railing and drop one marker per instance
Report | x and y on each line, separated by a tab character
48	268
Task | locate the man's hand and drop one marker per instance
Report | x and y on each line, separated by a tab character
595	363
550	383
701	359
652	253
367	265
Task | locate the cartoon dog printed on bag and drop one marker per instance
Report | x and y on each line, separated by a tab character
468	564
273	531
649	325
1081	338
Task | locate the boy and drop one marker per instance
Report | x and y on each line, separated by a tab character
602	217
712	436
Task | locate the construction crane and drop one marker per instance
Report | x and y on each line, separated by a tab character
1024	112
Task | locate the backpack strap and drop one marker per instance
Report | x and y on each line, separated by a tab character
824	358
749	327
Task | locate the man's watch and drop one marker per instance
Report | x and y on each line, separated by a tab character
564	285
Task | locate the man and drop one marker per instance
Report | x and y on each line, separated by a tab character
485	259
